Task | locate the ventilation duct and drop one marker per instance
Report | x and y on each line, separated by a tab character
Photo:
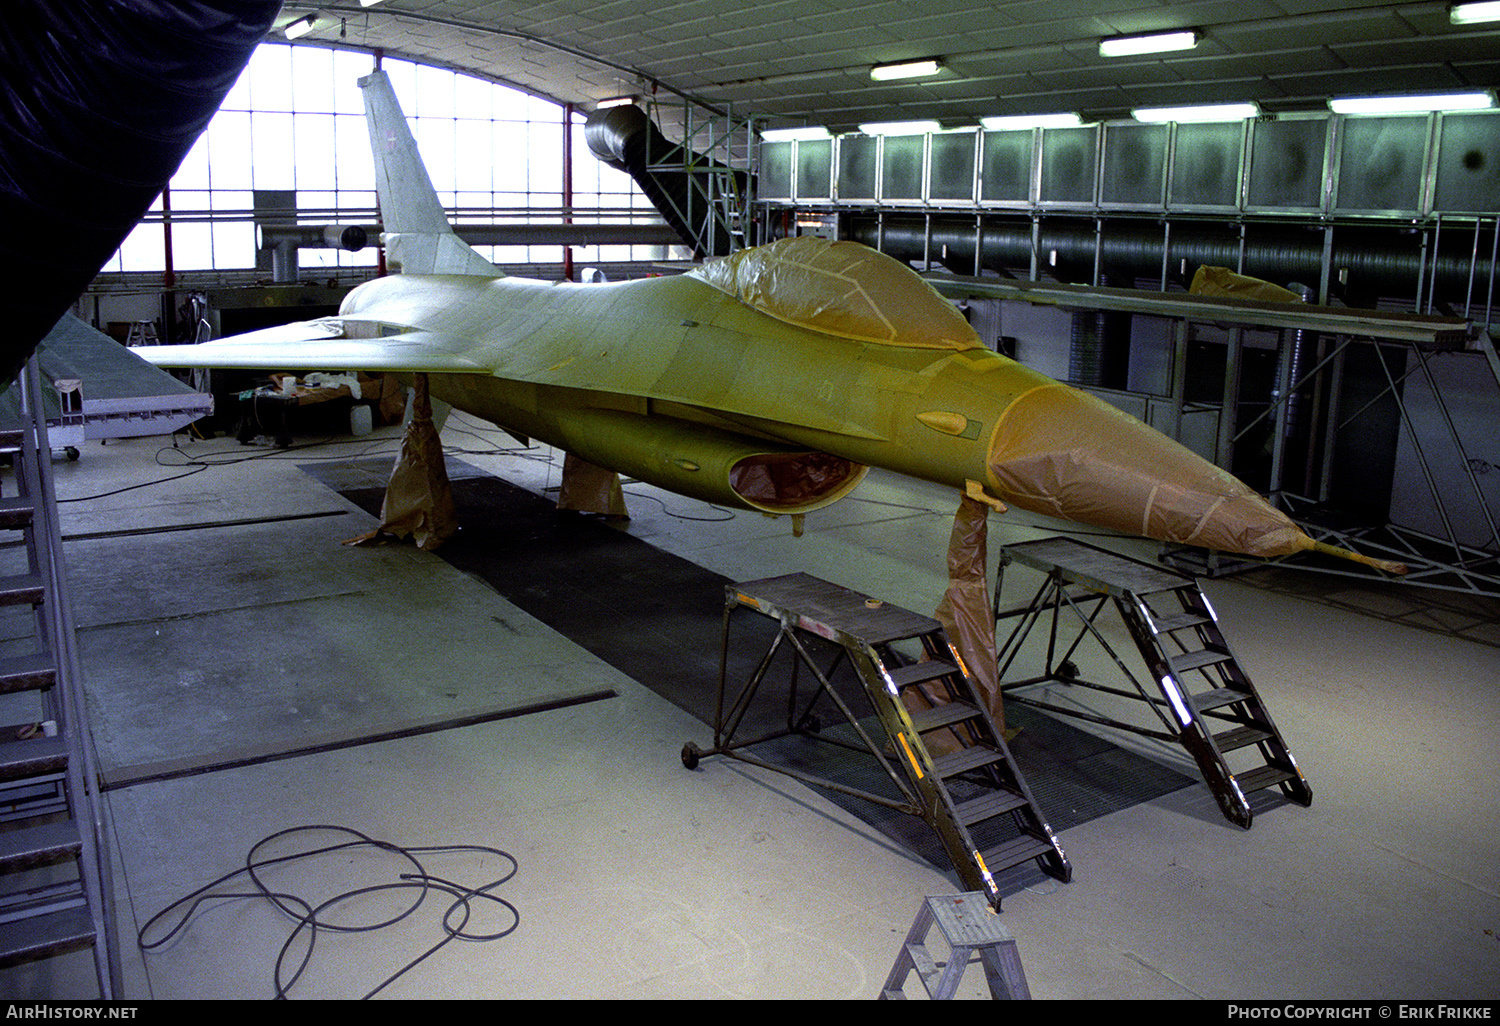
1366	261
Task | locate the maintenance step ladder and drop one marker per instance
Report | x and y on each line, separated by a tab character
956	772
52	886
1206	700
969	926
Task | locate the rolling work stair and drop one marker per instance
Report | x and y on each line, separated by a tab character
53	886
941	750
1199	690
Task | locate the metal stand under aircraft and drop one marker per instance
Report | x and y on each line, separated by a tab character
941	750
1226	728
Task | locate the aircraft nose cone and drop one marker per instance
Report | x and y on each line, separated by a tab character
1062	452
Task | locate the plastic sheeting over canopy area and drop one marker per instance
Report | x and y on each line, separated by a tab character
843	289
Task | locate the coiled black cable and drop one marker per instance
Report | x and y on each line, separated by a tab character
310	919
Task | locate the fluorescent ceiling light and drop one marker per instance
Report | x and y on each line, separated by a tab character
1474	14
1126	46
900	127
300	27
1002	124
804	133
614	101
368	3
906	69
1209	112
1411	104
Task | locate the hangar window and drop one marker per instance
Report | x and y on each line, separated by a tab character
290	141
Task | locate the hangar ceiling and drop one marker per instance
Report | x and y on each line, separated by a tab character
797	61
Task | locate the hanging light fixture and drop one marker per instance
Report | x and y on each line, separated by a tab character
1161	42
906	69
900	127
1015	121
1411	104
803	133
1474	14
301	27
1199	113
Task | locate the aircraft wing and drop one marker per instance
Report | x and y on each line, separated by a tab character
320	346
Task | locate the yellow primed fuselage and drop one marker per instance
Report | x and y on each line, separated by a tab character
674	347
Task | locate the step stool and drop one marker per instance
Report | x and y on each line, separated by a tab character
969	924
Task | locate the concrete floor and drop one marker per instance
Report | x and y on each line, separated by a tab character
256	633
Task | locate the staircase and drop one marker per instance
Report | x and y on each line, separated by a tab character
941	747
1223	723
973	795
706	200
1199	689
53	895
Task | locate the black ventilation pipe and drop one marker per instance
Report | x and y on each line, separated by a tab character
1099	348
1365	261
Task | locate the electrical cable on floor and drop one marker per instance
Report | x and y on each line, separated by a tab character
199	463
729	514
310	919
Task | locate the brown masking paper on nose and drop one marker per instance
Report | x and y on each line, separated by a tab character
1064	453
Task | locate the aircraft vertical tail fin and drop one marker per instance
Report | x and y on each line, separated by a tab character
418	238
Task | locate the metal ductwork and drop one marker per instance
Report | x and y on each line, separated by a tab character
1364	261
284	240
1099	347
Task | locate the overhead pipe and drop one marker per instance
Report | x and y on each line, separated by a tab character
285	239
1367	260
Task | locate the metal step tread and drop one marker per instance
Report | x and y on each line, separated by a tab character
16	510
947	714
1262	777
1240	737
32	756
1177	621
1017	850
1206	700
919	672
27	672
987	806
965	760
41	936
34	845
20	589
1195	660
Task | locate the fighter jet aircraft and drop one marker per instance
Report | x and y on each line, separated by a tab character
770	380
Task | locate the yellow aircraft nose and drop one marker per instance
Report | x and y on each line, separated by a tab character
1060	451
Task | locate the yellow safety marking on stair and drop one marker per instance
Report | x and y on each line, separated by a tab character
916	766
985	871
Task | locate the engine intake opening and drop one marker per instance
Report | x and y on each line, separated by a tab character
794	482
